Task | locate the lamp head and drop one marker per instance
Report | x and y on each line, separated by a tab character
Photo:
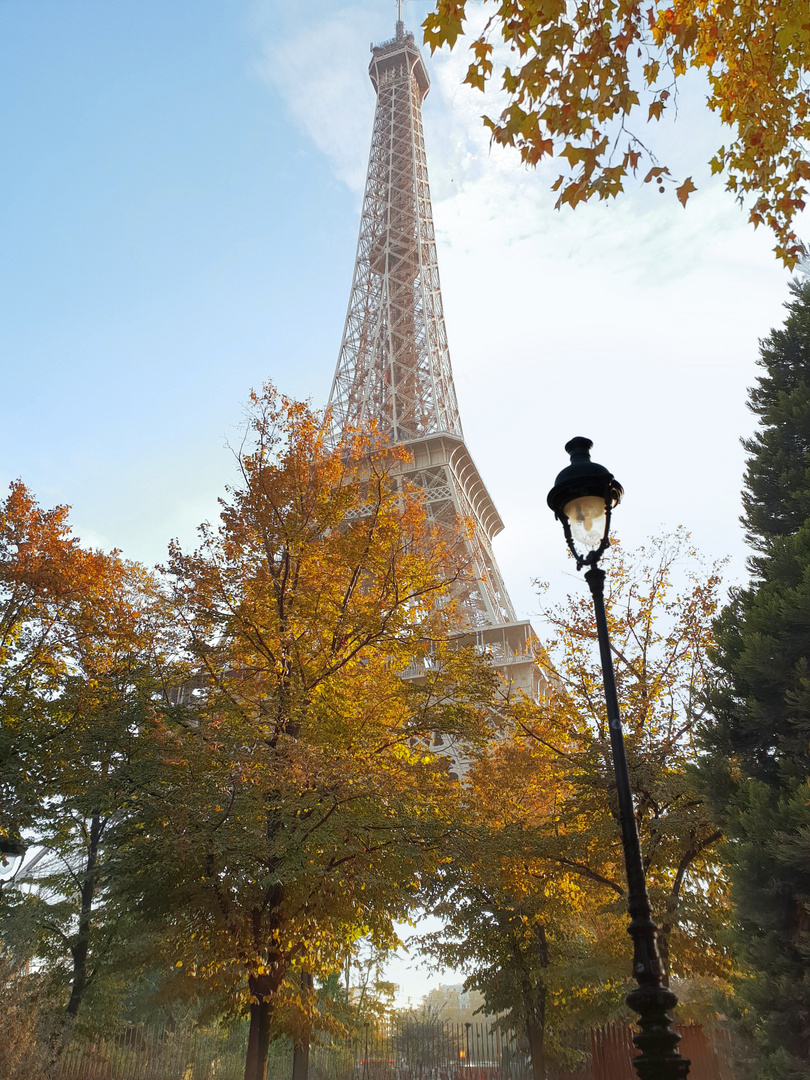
583	496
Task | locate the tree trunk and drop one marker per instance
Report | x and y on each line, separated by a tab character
262	990
534	1033
662	941
534	1000
263	987
300	1067
81	943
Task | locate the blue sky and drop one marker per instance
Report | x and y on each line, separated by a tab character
166	234
179	204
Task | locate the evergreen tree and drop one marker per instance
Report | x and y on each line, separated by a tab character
758	742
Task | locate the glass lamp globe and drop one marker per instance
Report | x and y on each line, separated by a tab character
583	496
587	518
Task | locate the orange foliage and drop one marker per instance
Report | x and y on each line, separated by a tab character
582	71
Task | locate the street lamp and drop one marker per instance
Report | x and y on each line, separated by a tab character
583	498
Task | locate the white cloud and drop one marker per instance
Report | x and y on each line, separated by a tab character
318	70
634	322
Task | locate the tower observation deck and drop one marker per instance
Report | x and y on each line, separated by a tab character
394	368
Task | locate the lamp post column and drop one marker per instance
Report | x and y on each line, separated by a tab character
658	1042
583	496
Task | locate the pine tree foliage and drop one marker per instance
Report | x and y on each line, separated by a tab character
758	740
777	480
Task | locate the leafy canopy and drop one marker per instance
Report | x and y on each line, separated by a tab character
82	641
297	805
532	891
580	72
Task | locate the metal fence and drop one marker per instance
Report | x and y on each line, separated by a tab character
611	1051
156	1053
403	1050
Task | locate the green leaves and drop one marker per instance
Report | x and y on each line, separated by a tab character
445	25
83	665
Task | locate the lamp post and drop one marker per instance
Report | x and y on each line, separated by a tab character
583	498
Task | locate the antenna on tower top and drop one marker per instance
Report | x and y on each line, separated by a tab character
400	24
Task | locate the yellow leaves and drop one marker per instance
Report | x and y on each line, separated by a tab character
321	557
575	81
445	25
685	190
475	76
304	610
479	71
511	81
575	154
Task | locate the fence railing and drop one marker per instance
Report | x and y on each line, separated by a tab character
156	1053
400	1051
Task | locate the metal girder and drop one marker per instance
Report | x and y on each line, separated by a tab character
394	370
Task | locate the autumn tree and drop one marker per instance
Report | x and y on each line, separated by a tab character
533	893
82	672
581	78
661	601
38	564
526	933
298	804
758	764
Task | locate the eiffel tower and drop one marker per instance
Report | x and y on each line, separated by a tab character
394	364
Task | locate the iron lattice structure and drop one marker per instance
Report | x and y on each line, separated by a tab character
394	368
394	364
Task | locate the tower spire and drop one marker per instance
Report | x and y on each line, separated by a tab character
393	370
394	364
